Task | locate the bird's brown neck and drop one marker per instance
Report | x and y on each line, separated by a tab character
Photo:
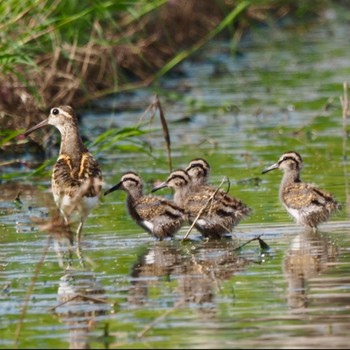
71	143
290	177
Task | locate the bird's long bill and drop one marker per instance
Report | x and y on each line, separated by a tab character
38	126
271	167
158	187
114	188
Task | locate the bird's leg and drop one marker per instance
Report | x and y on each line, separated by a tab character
78	234
80	256
57	248
78	237
70	255
70	239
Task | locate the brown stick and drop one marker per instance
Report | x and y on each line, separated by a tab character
165	131
30	291
160	318
203	208
344	100
78	295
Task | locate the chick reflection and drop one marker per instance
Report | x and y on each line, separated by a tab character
82	301
159	261
194	273
309	255
207	268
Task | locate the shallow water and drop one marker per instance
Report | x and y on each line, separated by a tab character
240	113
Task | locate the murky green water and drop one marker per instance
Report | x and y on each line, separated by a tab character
240	113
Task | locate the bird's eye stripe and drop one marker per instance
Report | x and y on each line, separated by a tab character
130	179
289	158
174	177
197	165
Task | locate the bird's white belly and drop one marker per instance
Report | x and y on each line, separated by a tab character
88	203
69	205
202	223
295	213
148	224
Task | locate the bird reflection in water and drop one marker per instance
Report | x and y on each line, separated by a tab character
62	237
309	255
198	271
82	303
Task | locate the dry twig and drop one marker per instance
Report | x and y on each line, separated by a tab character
160	318
203	208
344	100
30	291
82	296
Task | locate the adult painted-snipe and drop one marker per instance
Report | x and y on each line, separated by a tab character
306	203
159	217
76	178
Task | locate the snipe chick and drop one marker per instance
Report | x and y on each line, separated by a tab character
306	203
159	217
219	212
199	170
76	178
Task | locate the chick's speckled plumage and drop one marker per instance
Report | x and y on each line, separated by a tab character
219	212
305	202
159	217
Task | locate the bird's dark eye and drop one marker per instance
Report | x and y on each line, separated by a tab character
55	111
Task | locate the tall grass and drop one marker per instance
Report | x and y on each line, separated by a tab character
68	50
29	28
58	37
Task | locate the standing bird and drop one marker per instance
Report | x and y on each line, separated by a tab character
76	178
306	203
158	216
199	170
217	211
